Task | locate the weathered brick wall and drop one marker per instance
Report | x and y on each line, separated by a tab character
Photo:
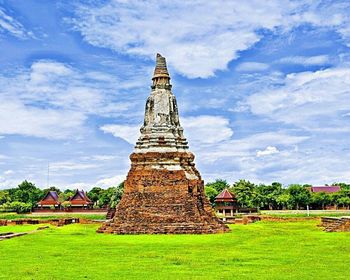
162	200
332	224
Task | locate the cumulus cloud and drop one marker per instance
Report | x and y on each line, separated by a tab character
202	129
16	118
199	37
112	181
206	129
53	100
309	100
129	133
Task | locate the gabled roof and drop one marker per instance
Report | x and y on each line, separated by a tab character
80	196
51	197
225	195
325	189
51	194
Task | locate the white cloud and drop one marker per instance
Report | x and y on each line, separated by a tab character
16	118
200	37
206	129
129	133
12	26
305	60
252	67
53	100
203	129
309	100
197	38
270	150
69	165
8	172
112	181
246	146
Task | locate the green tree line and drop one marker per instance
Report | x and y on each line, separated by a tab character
25	197
276	196
263	196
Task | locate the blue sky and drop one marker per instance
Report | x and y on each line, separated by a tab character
263	87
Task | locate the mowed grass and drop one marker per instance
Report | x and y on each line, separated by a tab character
303	213
264	250
15	216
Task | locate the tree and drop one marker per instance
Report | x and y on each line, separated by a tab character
284	200
27	192
219	185
211	193
95	193
245	193
267	195
4	197
321	199
300	196
52	189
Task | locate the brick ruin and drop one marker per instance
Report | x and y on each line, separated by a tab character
333	224
163	191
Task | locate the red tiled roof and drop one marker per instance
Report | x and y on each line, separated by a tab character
225	195
80	197
325	189
51	198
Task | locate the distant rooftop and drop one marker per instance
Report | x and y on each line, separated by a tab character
225	196
325	189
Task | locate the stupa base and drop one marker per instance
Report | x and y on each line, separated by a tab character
159	214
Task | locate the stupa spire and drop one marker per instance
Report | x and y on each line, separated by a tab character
161	77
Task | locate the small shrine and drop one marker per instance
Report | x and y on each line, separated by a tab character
226	204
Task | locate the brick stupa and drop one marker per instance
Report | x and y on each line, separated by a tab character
163	191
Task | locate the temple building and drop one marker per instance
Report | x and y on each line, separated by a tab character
50	200
80	200
226	204
163	191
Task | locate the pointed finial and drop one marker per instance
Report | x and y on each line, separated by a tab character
161	75
161	69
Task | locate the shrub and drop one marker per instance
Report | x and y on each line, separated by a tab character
16	206
66	204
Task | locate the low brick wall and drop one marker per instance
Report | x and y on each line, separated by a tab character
286	219
71	210
335	224
3	223
247	219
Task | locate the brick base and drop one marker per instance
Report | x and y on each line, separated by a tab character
163	194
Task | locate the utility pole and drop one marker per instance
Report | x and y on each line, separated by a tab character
48	174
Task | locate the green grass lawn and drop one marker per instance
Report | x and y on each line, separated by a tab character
264	250
303	213
48	216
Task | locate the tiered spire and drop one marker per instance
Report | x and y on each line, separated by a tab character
161	77
161	130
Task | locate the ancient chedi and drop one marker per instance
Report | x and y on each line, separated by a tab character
163	192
